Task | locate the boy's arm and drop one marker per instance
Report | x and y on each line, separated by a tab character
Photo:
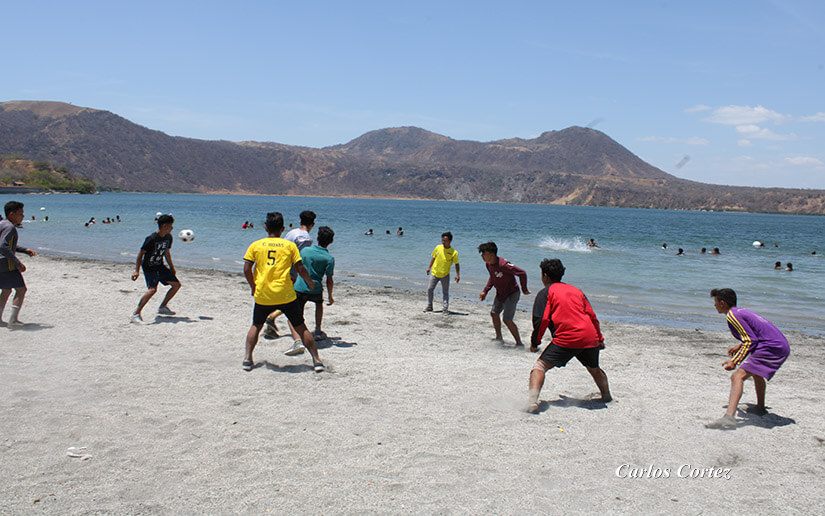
487	288
247	272
168	256
302	272
137	264
521	273
430	266
330	284
743	334
588	309
457	272
539	305
7	252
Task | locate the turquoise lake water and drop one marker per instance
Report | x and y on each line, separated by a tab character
629	279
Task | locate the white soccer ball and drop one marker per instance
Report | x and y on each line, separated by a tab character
757	243
187	235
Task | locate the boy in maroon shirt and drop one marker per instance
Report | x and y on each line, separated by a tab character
503	277
565	310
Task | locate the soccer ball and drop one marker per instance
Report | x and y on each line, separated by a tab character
187	235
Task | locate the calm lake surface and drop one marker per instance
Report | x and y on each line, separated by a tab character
629	279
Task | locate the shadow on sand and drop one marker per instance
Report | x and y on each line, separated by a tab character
27	327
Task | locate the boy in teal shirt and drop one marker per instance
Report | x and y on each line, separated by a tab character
319	263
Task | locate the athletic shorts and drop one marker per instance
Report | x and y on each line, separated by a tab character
303	298
293	311
508	306
11	279
557	356
164	275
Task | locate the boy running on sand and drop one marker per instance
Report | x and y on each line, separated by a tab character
762	352
11	268
503	277
267	264
565	310
154	250
319	263
443	257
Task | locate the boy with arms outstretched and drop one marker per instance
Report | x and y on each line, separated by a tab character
154	250
762	352
11	268
565	310
502	276
267	264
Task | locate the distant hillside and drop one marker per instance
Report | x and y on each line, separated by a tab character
576	166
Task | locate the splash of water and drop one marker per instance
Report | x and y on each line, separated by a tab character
575	244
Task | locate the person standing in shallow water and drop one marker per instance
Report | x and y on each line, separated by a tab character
762	351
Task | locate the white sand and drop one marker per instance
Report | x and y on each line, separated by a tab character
420	412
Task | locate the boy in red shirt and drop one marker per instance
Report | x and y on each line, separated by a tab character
565	310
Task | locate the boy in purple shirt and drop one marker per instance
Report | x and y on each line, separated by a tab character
762	351
503	277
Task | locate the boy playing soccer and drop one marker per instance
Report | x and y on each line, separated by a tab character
564	309
267	263
503	277
443	257
11	268
154	250
762	351
318	263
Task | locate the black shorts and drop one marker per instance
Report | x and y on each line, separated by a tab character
303	297
11	279
293	311
557	356
164	275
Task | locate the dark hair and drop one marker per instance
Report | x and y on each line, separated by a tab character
724	294
165	219
274	221
778	264
488	247
448	235
12	206
553	268
325	236
307	218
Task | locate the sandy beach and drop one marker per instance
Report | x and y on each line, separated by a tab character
419	412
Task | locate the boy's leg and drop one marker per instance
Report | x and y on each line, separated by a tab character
309	343
759	383
537	374
430	290
251	341
319	316
600	378
298	346
514	331
16	304
4	296
175	286
737	382
145	299
497	325
445	292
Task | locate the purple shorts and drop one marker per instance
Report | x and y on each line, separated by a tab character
766	360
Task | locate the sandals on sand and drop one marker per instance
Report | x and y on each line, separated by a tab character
319	367
248	365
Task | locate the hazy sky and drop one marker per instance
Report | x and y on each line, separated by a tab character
727	92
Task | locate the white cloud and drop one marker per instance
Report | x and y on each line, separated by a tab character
693	140
819	117
755	132
738	115
744	143
804	160
697	108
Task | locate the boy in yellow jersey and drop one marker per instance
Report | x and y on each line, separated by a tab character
443	257
267	263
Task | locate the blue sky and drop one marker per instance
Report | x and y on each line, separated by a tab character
722	92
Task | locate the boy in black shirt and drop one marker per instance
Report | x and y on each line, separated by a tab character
155	248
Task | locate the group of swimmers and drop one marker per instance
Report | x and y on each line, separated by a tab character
398	232
107	220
